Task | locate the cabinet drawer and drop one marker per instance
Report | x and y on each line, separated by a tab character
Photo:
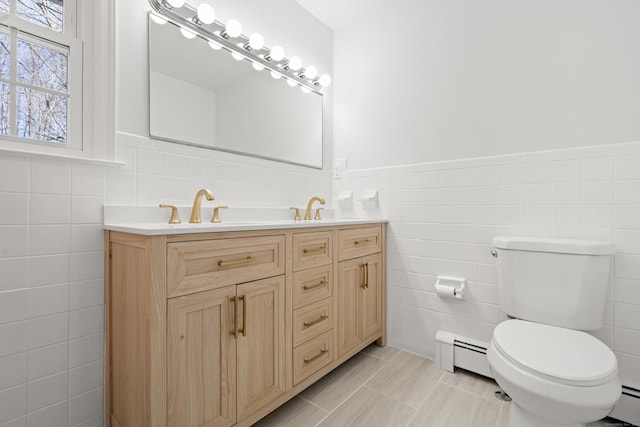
311	321
359	242
312	249
198	266
312	285
311	356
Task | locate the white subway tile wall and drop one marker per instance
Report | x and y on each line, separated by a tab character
52	259
443	216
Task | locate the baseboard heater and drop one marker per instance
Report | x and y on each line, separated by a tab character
455	351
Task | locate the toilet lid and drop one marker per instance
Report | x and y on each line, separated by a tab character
561	355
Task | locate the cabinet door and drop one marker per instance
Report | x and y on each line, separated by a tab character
201	360
350	283
260	345
372	298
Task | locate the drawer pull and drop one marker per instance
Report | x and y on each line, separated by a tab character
313	322
317	285
234	331
222	263
243	331
361	242
322	249
366	274
311	359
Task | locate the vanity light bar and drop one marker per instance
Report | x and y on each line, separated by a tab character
230	39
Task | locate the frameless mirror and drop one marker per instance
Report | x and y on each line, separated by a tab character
204	97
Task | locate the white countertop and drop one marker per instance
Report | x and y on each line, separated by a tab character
151	221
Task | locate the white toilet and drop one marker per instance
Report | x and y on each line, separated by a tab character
553	289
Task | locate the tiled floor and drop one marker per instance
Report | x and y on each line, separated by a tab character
384	386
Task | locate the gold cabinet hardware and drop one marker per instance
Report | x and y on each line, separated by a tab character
361	242
313	322
297	216
197	202
322	249
307	213
175	219
234	332
243	331
366	275
223	263
317	217
317	285
216	214
311	359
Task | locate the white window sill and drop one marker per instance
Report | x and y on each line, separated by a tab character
61	156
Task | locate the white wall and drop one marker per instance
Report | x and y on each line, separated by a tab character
424	81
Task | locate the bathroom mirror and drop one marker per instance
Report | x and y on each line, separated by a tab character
204	97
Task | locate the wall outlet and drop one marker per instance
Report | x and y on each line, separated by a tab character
339	166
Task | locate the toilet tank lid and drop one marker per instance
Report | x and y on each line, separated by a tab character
548	244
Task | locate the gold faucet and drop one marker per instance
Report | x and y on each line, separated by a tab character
307	214
195	211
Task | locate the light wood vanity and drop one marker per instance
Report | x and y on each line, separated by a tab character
221	328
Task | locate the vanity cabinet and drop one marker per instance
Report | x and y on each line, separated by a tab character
219	329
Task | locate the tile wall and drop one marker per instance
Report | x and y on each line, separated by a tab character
52	266
443	216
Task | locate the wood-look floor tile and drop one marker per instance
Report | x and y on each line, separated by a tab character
503	416
367	408
295	413
407	378
472	383
330	391
384	353
452	407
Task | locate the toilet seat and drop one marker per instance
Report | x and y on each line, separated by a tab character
557	354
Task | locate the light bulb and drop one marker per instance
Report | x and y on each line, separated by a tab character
233	28
257	67
206	14
311	72
275	75
213	45
175	3
237	56
256	41
291	83
276	53
295	63
324	80
305	89
158	19
187	34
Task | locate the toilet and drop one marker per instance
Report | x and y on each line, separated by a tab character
553	290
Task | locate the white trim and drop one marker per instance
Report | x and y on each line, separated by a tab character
21	152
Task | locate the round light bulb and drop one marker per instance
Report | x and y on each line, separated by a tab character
257	67
213	45
311	72
256	41
276	53
291	83
324	80
206	14
187	34
176	3
233	28
158	19
295	63
305	89
275	75
237	56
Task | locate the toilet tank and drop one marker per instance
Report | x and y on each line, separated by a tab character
561	282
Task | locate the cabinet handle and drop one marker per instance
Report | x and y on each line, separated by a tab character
366	274
317	285
360	242
313	322
311	359
243	331
234	332
222	263
322	249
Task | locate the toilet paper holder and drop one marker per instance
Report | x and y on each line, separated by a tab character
450	287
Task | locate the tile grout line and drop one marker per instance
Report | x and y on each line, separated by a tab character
422	402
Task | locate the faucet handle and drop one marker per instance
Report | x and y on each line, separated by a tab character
216	214
297	216
175	219
317	217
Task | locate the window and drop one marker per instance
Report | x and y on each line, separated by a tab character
40	74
